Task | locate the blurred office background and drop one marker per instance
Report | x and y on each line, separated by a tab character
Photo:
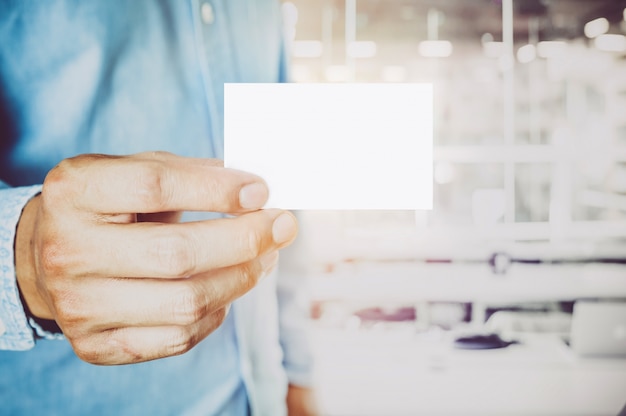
529	215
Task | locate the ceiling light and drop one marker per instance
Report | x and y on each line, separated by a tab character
362	49
435	48
526	54
551	48
611	43
596	27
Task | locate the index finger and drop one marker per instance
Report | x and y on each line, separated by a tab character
155	182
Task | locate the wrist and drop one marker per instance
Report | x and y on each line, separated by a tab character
24	262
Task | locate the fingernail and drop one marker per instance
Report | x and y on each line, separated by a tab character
253	195
268	261
284	228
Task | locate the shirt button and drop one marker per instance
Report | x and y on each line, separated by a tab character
206	11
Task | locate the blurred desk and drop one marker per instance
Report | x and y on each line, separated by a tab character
398	373
398	282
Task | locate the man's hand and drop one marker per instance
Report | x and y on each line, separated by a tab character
301	401
100	251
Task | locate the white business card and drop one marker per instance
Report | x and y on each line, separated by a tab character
333	146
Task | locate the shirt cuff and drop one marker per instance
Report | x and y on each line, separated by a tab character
15	331
299	376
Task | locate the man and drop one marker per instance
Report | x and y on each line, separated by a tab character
95	267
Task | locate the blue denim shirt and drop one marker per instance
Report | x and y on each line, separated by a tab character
120	77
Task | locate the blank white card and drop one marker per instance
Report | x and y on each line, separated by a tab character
333	146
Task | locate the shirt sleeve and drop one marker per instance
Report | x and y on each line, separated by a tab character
292	290
295	337
15	331
294	313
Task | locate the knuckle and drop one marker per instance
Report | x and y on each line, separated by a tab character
191	306
70	313
54	184
252	243
182	340
173	255
151	186
219	317
84	350
66	180
55	257
248	275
